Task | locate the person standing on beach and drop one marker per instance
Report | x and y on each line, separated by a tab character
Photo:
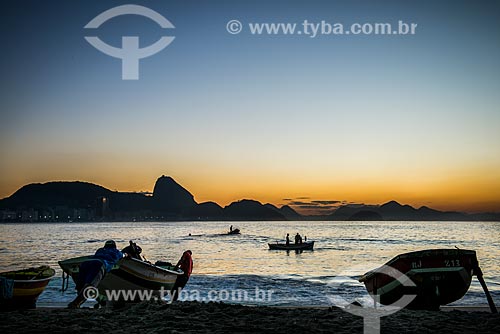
186	265
91	272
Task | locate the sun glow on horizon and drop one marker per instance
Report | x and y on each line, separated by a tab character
450	192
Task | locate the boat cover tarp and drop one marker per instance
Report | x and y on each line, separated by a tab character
6	288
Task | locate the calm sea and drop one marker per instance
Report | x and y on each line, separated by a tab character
343	251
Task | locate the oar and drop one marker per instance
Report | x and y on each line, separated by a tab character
479	274
42	270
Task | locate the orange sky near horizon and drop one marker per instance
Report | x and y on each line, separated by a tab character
461	189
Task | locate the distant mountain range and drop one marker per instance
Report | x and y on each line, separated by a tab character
394	211
55	201
63	201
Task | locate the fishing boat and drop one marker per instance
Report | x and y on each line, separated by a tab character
438	277
21	288
127	274
308	245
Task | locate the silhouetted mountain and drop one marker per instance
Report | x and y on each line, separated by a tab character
250	210
170	198
486	216
286	211
290	213
87	201
71	194
425	213
64	197
394	211
170	201
130	202
207	211
346	211
366	215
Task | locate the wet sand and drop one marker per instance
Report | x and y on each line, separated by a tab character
196	317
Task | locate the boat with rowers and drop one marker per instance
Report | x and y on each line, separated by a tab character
308	245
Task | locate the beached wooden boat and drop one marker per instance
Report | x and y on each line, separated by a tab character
127	274
283	246
21	288
440	277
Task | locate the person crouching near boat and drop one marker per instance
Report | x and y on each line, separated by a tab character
92	271
186	265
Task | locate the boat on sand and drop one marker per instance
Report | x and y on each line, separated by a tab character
127	274
438	277
21	288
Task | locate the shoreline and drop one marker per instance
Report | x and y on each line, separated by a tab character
462	308
154	317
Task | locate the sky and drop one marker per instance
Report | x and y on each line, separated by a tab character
286	119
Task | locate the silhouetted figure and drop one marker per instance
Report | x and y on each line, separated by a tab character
288	239
297	238
231	228
91	272
134	250
305	238
186	264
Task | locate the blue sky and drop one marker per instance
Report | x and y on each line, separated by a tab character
349	118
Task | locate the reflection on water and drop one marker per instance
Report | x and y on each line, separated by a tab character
222	261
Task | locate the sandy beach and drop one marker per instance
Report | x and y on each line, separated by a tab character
194	317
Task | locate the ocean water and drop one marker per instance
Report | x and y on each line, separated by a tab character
241	268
